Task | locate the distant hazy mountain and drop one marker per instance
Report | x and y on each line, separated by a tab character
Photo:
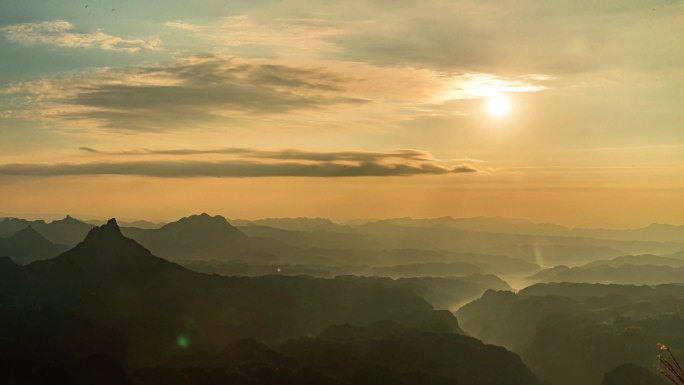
293	239
639	260
632	269
141	224
483	224
11	226
194	237
68	231
625	274
651	233
203	237
654	232
388	235
295	224
27	246
583	291
289	260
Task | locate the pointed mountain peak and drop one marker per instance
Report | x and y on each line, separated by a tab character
107	257
107	232
28	231
29	228
28	235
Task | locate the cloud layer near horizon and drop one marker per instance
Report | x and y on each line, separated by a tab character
249	163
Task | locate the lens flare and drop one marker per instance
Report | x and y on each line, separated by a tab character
182	341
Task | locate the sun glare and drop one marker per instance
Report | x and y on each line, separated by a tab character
498	105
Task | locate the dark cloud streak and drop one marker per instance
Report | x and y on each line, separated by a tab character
230	169
198	90
290	154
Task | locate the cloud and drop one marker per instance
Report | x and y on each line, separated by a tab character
482	85
61	33
245	162
183	94
512	37
349	156
251	36
229	169
218	92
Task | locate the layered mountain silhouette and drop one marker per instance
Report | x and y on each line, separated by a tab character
108	311
141	224
639	260
68	231
577	333
407	234
296	224
115	307
28	245
631	269
652	233
109	294
318	240
104	259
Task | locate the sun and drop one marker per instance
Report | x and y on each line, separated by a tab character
498	105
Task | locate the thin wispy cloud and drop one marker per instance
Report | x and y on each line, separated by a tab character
300	35
62	33
512	37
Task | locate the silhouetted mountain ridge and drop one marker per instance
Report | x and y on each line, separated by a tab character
109	294
67	231
574	333
27	245
105	255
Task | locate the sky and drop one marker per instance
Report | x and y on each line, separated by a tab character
568	112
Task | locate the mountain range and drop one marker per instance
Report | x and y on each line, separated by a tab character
111	280
578	333
318	241
108	311
68	231
630	269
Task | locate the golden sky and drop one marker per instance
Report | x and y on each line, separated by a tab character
556	111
